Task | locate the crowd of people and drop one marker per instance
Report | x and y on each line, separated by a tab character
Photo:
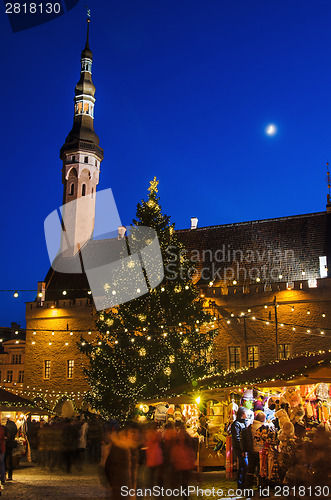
279	452
165	454
62	441
265	451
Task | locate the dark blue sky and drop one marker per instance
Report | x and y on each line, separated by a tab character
184	89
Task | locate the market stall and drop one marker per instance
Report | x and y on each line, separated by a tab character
17	409
297	390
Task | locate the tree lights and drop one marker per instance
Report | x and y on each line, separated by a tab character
145	335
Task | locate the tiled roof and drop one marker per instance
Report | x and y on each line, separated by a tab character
290	244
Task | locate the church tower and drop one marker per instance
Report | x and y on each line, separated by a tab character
81	157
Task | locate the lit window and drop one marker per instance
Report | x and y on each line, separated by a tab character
284	351
253	356
312	283
234	358
70	368
47	369
323	267
9	376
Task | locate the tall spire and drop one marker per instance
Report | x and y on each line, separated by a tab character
81	156
82	134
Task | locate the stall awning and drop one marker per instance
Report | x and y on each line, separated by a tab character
11	402
302	370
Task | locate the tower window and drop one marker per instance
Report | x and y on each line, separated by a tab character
92	191
72	189
83	189
85	159
96	163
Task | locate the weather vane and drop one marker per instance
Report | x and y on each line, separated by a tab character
329	184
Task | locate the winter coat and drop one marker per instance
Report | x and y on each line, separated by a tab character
236	430
11	430
2	439
83	436
154	455
118	462
253	444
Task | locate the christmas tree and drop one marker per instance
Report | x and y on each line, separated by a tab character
155	342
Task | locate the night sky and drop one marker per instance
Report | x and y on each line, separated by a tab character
184	92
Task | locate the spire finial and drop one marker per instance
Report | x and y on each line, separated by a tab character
88	19
328	196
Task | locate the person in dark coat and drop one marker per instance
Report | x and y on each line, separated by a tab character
236	429
11	431
122	461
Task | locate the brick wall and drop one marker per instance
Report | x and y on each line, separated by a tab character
63	319
307	335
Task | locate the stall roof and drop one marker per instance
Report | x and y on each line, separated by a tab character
311	368
11	402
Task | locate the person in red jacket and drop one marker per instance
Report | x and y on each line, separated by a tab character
154	456
2	453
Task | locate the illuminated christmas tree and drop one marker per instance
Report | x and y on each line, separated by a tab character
156	342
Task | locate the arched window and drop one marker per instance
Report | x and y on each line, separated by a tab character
72	189
83	189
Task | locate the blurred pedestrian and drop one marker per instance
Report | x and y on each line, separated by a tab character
183	459
11	431
2	453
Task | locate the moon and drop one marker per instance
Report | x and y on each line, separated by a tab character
271	129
